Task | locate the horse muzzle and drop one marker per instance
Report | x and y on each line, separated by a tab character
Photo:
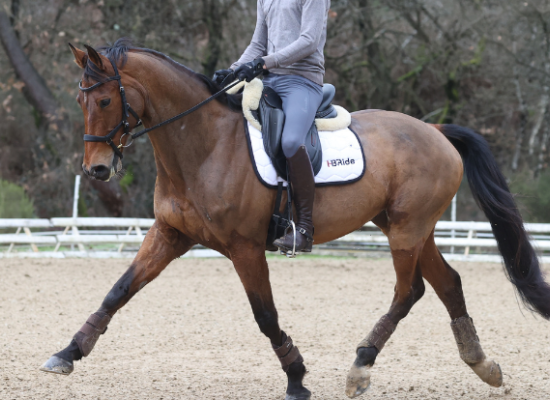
100	172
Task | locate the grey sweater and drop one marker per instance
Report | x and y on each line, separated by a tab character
290	36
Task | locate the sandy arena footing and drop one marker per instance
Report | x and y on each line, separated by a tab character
191	334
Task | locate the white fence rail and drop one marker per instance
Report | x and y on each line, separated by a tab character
460	234
52	235
121	237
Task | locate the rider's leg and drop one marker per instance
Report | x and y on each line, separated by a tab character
303	190
301	99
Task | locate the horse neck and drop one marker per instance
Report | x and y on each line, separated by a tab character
183	146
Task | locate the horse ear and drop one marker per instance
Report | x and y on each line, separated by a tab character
80	57
95	57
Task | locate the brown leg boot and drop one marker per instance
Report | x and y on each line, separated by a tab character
303	188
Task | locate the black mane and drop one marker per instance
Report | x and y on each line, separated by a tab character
118	52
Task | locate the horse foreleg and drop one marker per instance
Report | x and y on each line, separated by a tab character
254	274
447	284
408	290
162	244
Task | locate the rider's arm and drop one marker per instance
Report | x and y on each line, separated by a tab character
258	45
313	18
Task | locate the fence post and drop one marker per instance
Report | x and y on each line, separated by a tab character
453	218
13	244
76	194
75	210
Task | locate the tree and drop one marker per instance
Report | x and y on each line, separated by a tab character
49	115
35	90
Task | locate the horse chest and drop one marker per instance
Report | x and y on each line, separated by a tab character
201	221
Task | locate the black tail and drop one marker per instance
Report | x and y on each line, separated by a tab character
492	194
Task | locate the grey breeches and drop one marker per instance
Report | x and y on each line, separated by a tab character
301	99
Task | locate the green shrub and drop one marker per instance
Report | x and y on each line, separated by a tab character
14	202
127	179
533	196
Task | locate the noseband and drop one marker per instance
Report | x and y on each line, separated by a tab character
127	109
123	124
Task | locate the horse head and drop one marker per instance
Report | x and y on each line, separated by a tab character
108	116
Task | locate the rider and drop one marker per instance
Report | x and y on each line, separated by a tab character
288	41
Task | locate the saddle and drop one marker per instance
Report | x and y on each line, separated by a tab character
272	119
263	109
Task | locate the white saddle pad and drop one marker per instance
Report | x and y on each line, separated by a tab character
343	158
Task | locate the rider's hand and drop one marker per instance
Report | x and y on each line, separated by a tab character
224	77
250	70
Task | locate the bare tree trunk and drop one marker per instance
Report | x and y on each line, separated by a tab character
543	107
214	23
544	100
14	13
36	92
375	55
522	121
41	98
543	145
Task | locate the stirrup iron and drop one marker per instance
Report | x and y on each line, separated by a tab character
293	254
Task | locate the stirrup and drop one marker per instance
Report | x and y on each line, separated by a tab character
293	254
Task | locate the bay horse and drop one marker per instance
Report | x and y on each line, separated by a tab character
207	192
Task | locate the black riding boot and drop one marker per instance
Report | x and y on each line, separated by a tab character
303	188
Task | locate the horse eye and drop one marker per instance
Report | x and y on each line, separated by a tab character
104	103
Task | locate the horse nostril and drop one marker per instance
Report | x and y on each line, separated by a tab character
100	172
86	171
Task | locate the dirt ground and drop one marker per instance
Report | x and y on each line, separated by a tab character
191	335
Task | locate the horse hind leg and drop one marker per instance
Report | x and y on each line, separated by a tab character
447	284
408	290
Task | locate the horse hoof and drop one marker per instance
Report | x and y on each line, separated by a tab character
358	381
489	372
304	396
56	365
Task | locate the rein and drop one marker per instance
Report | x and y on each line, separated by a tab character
127	109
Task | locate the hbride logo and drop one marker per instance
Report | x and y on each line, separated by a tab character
341	161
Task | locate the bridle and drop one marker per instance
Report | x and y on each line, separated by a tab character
127	109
